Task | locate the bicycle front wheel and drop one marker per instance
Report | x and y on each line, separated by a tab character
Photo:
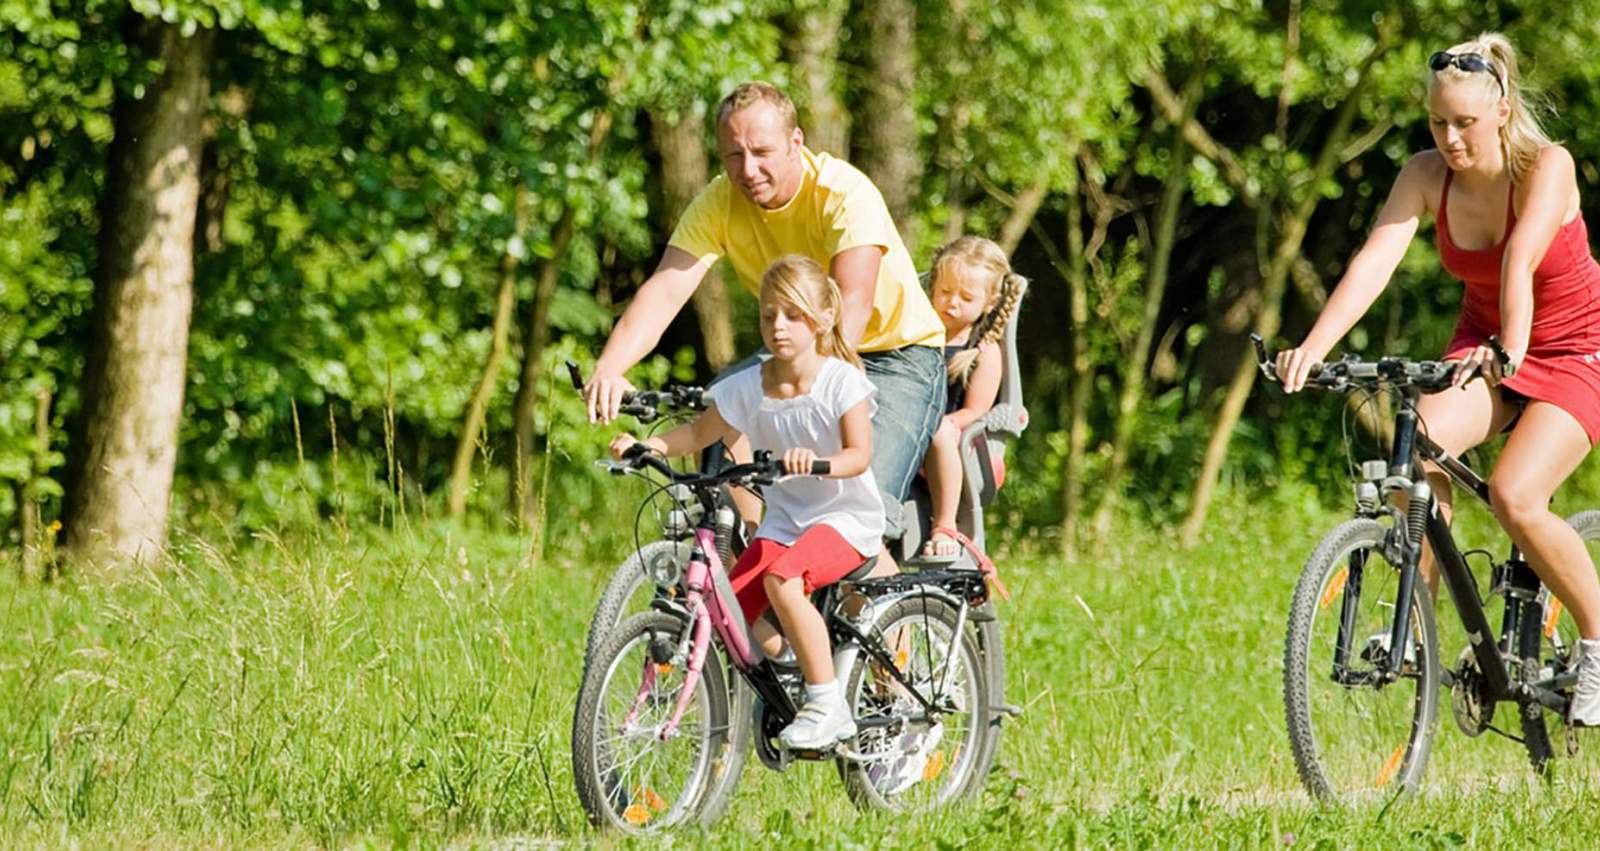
628	777
1354	735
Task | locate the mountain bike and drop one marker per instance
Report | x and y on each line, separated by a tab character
655	731
1362	667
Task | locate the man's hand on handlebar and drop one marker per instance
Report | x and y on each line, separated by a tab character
603	395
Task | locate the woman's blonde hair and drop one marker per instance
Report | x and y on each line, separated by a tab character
800	282
1522	137
973	258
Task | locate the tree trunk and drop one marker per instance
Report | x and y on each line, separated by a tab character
538	333
1291	233
1137	356
234	103
1023	210
533	343
504	308
813	48
889	152
1082	371
133	379
684	172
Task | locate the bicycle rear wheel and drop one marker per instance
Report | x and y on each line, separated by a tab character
904	763
1354	736
1548	645
627	778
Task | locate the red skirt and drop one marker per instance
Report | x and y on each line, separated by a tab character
1571	382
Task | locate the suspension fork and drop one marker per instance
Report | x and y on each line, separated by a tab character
1349	605
1403	464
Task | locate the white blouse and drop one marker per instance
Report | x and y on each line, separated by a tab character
850	506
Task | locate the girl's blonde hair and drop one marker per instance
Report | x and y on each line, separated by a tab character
1522	137
800	282
974	258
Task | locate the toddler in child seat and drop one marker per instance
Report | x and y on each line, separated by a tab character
809	402
975	294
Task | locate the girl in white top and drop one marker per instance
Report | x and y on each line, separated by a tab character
810	402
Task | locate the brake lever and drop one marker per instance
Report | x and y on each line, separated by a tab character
1263	362
1502	358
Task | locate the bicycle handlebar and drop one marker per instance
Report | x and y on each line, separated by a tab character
648	405
1426	375
764	470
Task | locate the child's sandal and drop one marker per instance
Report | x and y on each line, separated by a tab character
931	550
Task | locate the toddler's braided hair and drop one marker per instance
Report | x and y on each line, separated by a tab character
974	257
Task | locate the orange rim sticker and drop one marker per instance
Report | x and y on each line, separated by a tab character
654	801
1552	615
1334	587
1391	765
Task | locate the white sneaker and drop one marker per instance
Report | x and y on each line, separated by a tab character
899	774
1585	708
820	724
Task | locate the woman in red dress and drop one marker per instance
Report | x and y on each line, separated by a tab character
1504	199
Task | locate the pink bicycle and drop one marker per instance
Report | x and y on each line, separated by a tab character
659	727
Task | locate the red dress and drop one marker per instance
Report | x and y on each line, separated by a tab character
1562	365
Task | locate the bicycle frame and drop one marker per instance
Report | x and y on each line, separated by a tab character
1521	584
709	606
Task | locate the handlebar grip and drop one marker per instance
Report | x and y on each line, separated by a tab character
633	452
821	468
576	373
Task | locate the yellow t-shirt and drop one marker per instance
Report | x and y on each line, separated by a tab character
836	208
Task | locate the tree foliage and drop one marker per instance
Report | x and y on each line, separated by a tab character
364	162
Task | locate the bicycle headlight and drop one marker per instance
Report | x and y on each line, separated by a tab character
664	568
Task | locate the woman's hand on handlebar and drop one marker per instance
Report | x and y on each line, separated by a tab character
1294	367
1495	366
603	396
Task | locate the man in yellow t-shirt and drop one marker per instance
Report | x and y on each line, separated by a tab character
777	197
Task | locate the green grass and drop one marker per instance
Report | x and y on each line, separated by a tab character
415	688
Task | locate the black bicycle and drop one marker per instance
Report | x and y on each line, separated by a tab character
1362	672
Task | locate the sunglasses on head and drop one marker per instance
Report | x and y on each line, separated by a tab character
1469	62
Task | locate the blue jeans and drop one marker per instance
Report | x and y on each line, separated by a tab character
911	384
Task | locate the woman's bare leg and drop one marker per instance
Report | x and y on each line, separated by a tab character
1544	449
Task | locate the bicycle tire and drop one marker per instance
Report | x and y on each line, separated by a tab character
594	773
1323	760
972	753
1545	734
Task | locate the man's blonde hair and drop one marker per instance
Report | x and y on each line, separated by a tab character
758	91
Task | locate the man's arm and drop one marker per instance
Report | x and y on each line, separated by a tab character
856	271
653	308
